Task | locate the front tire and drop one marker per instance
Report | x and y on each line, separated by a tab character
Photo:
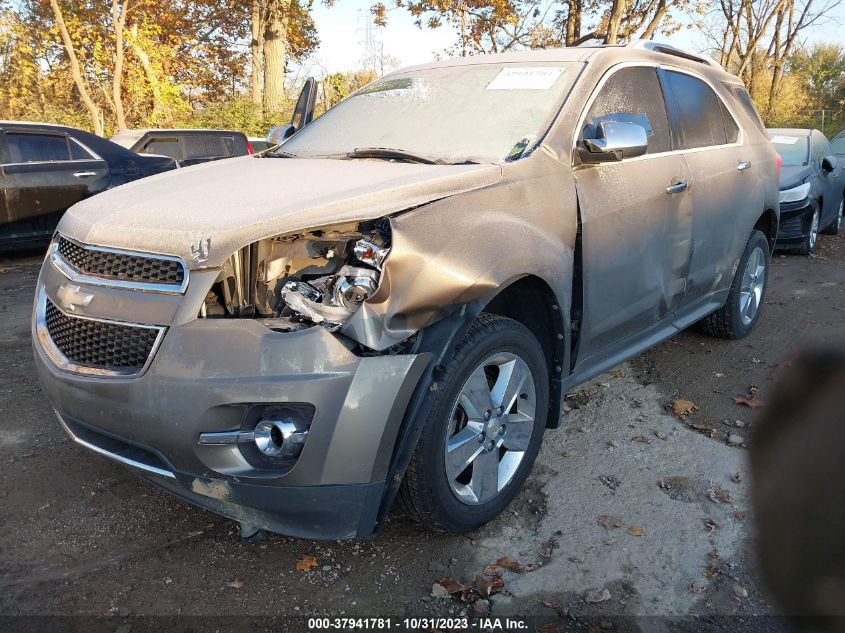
836	226
808	247
741	311
484	430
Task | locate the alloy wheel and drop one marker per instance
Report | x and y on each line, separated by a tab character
753	285
490	428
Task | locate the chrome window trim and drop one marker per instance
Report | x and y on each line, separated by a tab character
63	363
740	141
118	458
75	275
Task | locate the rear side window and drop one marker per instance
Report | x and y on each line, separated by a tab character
700	111
632	95
163	146
838	144
77	152
204	146
731	129
32	148
744	99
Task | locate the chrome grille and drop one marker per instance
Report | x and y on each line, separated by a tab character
120	266
99	345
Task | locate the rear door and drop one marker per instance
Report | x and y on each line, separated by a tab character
728	194
636	217
48	172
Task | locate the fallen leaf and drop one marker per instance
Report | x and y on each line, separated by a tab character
641	439
452	586
236	584
682	408
439	591
607	521
487	587
719	495
307	562
636	531
506	562
554	606
710	525
750	402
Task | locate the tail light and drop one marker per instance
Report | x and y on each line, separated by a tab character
249	150
780	164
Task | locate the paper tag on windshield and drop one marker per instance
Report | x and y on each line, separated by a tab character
537	78
786	140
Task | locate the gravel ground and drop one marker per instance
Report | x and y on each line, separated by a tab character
630	510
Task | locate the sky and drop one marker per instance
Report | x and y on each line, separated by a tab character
342	34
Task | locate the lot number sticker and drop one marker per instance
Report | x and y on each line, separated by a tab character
538	78
786	140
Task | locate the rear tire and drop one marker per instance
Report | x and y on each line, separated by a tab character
741	311
836	226
473	457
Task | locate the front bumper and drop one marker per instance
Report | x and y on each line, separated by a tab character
794	222
205	376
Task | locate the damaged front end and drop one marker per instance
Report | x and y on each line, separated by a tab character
292	282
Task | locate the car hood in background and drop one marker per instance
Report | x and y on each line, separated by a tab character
219	207
793	176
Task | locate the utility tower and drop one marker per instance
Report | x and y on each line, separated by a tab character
373	48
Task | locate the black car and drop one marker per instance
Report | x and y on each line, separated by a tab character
48	168
812	186
189	147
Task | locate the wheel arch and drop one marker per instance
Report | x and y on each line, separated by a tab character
768	224
530	300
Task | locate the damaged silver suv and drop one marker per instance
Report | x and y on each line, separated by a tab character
394	301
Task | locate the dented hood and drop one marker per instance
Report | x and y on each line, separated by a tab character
217	208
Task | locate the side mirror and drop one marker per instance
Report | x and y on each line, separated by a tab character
280	133
828	164
614	141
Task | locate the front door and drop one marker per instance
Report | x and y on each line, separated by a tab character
636	217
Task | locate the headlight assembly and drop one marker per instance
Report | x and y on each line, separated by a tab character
289	282
795	194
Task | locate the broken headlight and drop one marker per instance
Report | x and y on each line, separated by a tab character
290	282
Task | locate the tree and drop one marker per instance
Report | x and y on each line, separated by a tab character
81	84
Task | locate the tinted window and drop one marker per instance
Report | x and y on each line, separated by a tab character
632	95
822	146
838	144
77	152
164	146
28	148
700	111
793	150
744	99
203	146
731	129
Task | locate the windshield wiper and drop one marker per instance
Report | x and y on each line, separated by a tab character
389	152
280	154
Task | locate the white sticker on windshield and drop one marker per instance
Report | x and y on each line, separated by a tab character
786	140
537	78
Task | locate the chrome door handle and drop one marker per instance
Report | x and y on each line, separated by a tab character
743	165
678	187
84	174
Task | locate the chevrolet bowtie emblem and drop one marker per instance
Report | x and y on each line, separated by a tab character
71	297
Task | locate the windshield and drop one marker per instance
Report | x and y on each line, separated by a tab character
479	113
794	150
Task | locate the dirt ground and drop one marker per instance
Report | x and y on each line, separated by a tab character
629	511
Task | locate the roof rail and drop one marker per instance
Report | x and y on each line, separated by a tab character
658	47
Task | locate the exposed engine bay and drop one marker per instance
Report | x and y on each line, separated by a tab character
291	282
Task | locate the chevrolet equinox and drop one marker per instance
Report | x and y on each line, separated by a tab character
393	302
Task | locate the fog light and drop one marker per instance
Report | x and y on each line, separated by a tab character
279	438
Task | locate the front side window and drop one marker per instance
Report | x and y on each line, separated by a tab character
36	148
700	111
480	112
794	150
823	149
632	95
838	144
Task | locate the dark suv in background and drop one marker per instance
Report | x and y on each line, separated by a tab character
189	147
47	168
